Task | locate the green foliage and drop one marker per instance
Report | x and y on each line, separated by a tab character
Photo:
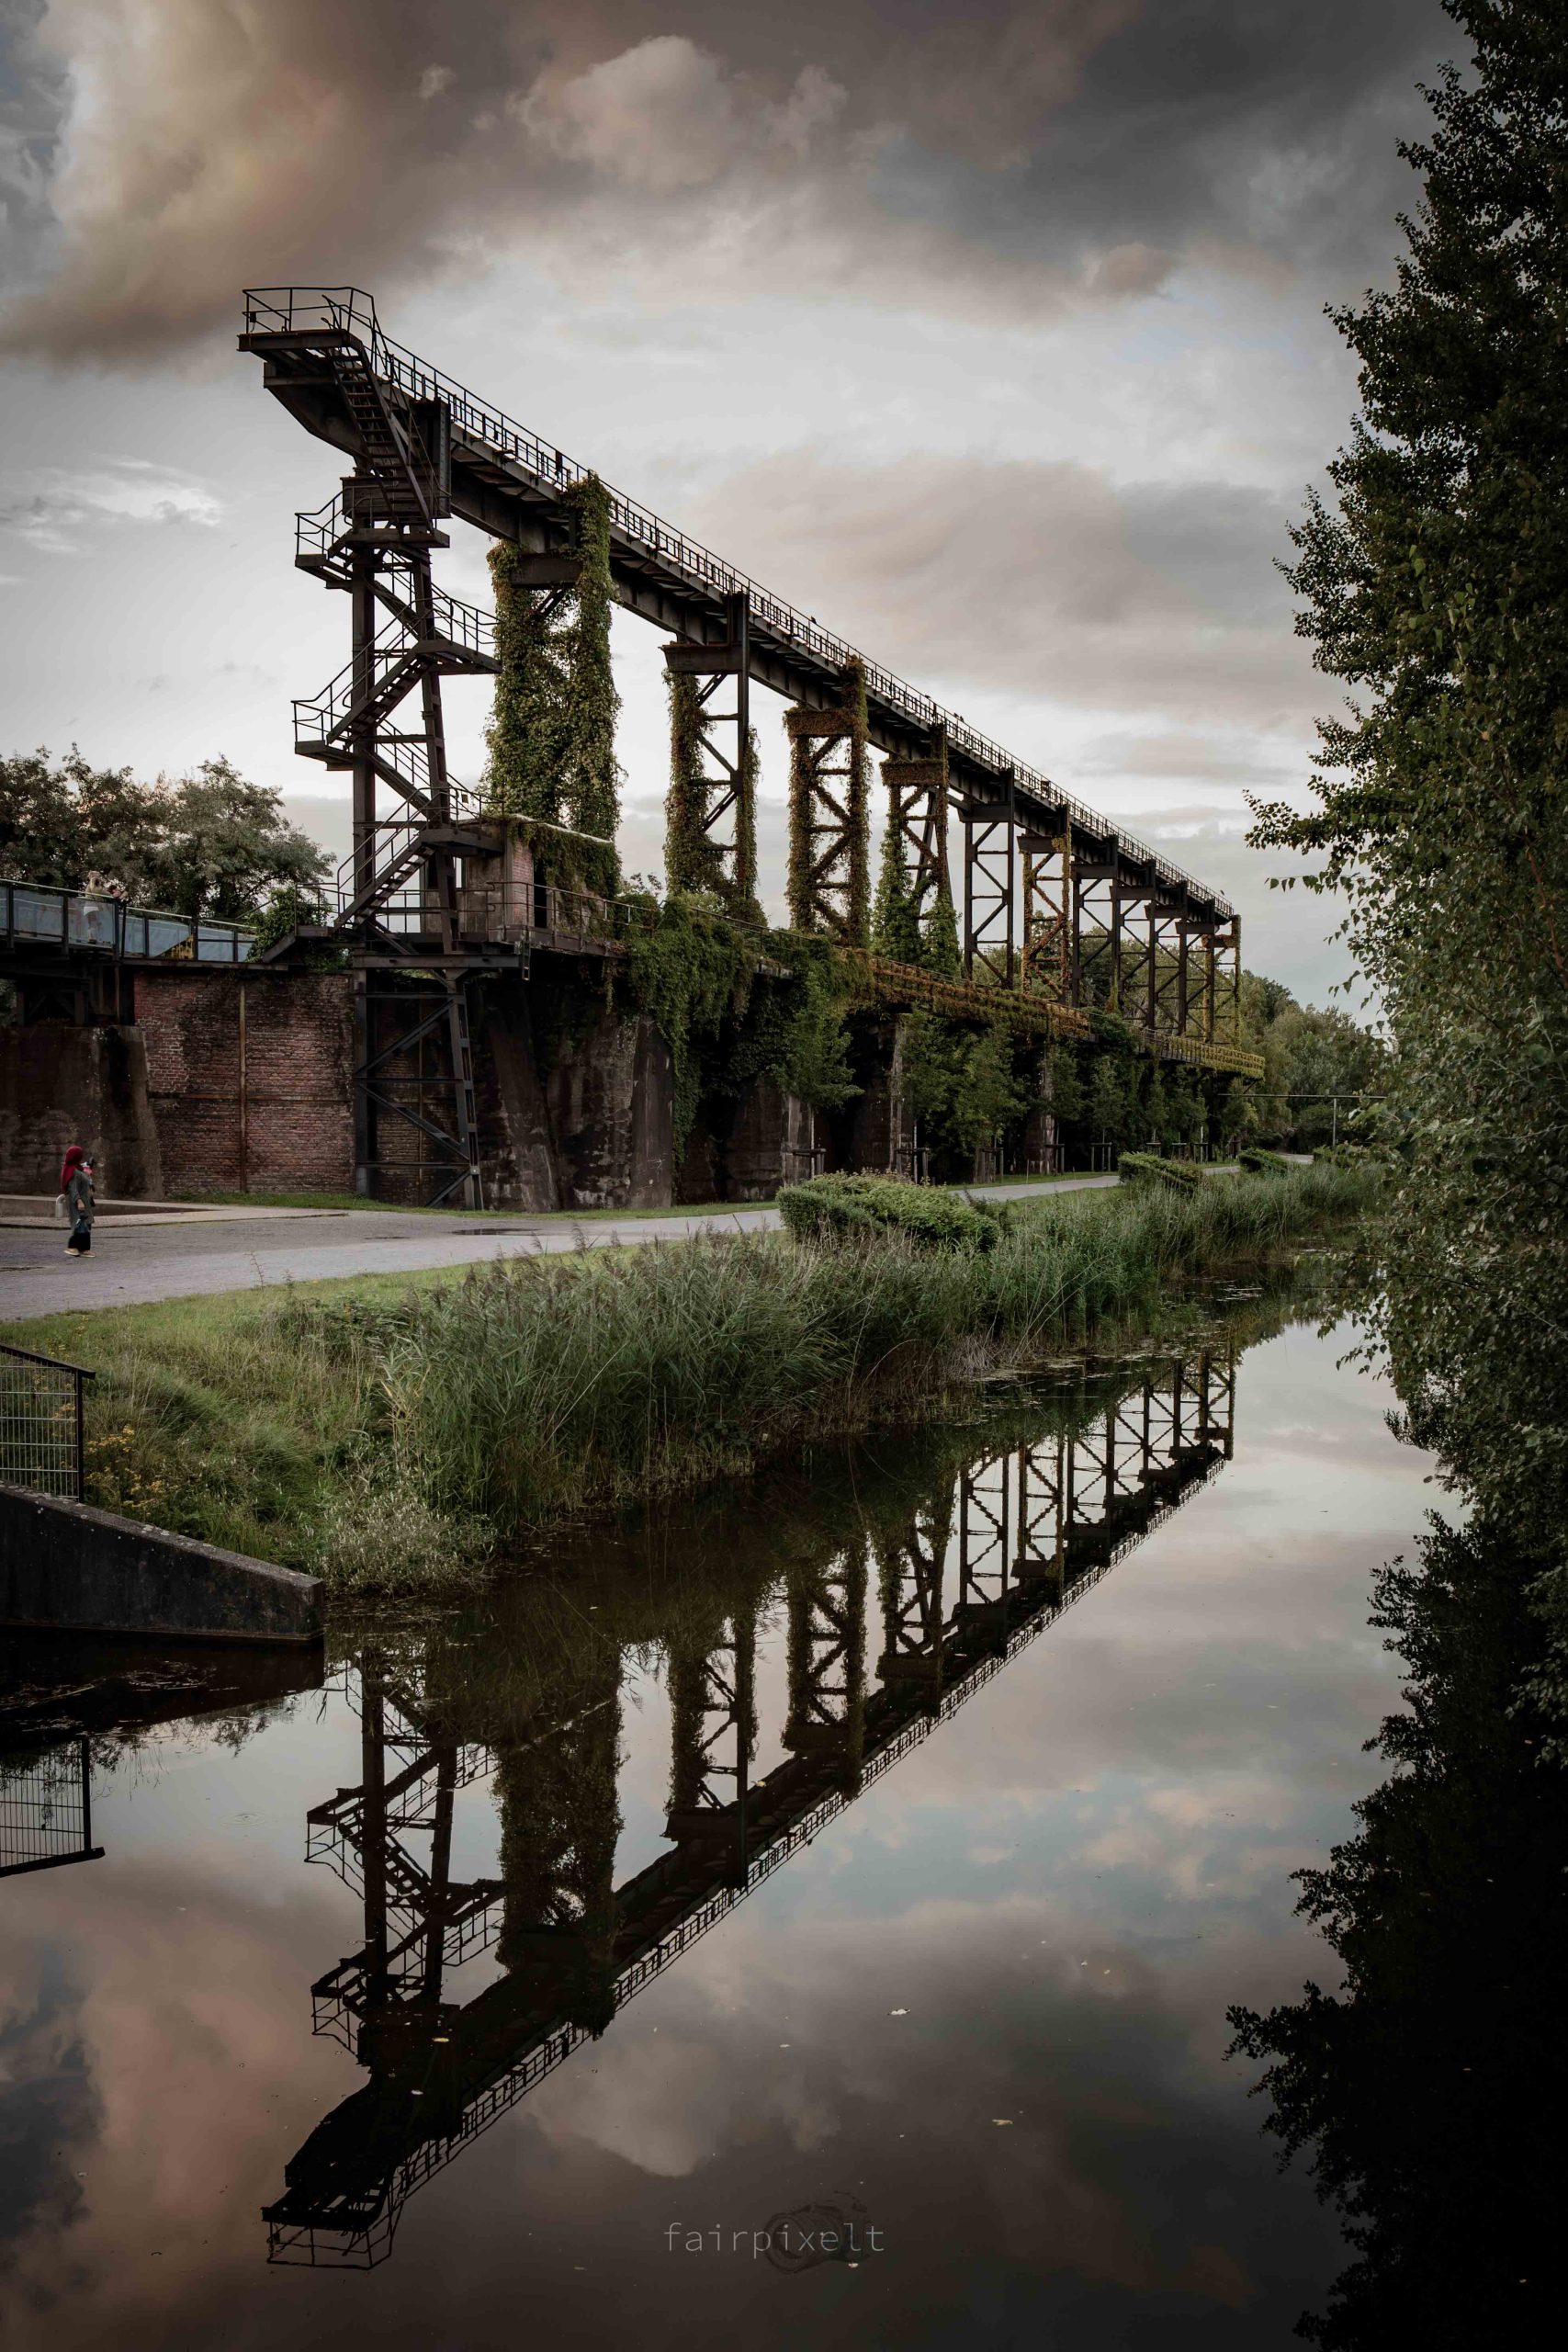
894	920
725	1023
1259	1162
551	735
589	773
535	1387
958	1083
522	778
1435	590
940	950
1112	1112
849	1208
692	859
209	845
1149	1168
1068	1095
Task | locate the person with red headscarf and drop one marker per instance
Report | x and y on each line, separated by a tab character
76	1191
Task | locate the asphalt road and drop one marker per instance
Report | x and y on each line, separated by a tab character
131	1263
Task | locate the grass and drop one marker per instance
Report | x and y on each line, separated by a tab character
392	1430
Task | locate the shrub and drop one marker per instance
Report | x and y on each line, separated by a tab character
1149	1168
1259	1162
847	1208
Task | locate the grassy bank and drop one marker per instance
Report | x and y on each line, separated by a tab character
385	1433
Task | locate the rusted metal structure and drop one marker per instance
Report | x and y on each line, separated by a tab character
1055	901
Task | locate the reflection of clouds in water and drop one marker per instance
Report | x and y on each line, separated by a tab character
47	2098
185	2005
1040	1915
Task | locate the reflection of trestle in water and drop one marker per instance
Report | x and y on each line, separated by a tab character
967	1581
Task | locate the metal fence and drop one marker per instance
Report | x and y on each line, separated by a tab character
46	1811
40	1422
35	915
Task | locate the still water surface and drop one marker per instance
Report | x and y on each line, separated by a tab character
871	1858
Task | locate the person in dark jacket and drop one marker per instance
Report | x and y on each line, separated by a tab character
76	1183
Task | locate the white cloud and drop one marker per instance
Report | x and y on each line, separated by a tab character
53	507
666	116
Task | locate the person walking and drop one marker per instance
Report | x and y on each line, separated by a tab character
77	1188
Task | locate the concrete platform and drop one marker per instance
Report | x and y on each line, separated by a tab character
67	1567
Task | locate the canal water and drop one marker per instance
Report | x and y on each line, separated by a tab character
810	1918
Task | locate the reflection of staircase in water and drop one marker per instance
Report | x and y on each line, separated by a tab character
970	1581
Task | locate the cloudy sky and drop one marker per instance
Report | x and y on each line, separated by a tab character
989	333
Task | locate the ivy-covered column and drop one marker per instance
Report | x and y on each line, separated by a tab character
710	835
914	880
589	773
829	881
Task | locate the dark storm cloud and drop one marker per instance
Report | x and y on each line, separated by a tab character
1038	578
1020	154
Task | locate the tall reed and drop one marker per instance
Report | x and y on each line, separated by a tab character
542	1386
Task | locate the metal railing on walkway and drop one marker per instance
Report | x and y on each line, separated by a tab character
36	913
42	1403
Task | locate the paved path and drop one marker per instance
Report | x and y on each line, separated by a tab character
135	1262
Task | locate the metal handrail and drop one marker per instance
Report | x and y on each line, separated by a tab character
349	310
117	928
42	1424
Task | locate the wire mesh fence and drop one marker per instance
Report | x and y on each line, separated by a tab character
40	1422
46	1810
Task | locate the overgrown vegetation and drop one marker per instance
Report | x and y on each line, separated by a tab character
1435	591
839	1208
551	738
397	1435
1149	1168
736	1005
694	862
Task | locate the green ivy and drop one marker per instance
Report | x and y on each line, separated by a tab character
551	737
729	1020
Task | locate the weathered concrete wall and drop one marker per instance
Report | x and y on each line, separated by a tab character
250	1079
611	1100
770	1142
61	1085
875	1131
69	1566
517	1149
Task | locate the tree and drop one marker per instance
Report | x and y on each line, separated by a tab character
209	844
895	923
1434	589
1110	1101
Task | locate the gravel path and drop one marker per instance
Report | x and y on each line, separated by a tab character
133	1264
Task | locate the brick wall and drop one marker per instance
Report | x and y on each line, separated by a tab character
250	1079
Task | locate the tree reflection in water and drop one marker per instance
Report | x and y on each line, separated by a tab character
1429	2089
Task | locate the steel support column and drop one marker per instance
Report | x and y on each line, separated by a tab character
726	795
1046	957
990	832
828	861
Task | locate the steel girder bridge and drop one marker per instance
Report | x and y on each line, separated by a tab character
976	1573
1059	910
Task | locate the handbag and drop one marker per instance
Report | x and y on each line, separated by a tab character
60	1206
